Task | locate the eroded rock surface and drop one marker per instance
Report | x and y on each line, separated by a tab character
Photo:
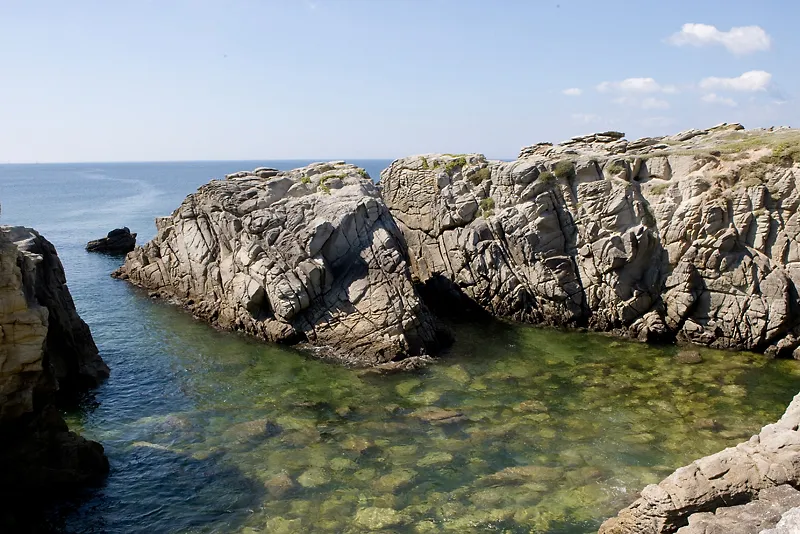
760	474
691	236
306	255
45	350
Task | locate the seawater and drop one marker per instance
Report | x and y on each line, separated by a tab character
514	429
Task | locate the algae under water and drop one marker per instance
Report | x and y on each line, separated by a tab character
515	429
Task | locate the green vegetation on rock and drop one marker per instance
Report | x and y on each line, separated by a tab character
480	175
564	169
456	163
487	207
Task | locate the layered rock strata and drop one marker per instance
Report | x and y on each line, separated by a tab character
742	489
691	236
46	351
309	255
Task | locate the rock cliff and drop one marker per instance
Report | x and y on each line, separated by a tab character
742	489
46	351
691	236
309	255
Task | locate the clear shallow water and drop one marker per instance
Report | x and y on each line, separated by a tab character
515	429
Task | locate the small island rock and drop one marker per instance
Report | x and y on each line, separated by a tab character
118	241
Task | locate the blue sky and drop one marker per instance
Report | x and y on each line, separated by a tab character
186	80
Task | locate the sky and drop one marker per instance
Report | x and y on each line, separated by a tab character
172	80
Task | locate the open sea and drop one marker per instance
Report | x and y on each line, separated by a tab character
210	432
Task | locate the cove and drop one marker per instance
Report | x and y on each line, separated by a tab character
514	428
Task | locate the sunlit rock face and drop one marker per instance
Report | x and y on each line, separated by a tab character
310	255
46	351
691	236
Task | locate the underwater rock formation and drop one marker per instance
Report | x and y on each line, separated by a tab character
305	255
760	474
691	236
46	351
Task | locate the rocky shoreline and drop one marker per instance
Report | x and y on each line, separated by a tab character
688	237
47	354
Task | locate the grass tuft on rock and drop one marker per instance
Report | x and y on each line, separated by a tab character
479	176
564	169
487	207
455	163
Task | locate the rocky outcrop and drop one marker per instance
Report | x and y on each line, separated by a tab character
750	486
46	351
310	255
691	236
118	241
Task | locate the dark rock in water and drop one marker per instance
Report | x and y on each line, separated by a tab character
119	241
46	353
688	356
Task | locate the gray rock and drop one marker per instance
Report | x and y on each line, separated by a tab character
119	241
683	244
310	255
760	471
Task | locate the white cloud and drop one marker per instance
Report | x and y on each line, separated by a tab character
644	103
636	85
572	91
754	80
586	118
713	98
738	40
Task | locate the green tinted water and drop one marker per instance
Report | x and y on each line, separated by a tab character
516	429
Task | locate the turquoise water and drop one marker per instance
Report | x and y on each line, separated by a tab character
515	429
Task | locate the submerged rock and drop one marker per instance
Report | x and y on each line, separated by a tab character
374	518
693	239
118	241
305	255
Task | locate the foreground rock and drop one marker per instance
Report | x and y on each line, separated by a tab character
306	255
118	241
748	488
46	351
691	236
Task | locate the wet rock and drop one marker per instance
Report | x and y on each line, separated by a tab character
281	525
439	416
395	480
313	478
523	474
688	357
435	458
118	241
374	518
279	485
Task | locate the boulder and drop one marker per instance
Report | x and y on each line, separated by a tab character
118	241
305	256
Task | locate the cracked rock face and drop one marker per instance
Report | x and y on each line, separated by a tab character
305	255
750	486
45	350
691	236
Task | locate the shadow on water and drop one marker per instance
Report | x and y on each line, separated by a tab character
152	489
